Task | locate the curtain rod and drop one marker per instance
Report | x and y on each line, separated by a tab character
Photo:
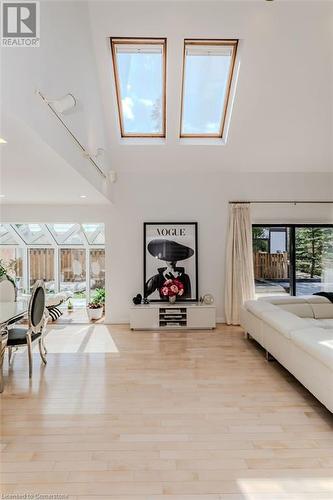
294	202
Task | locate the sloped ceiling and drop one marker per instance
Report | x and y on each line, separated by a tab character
282	118
283	108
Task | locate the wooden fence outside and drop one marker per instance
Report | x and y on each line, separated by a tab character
270	265
72	263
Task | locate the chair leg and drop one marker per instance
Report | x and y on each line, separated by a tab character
43	345
29	347
10	353
4	338
41	351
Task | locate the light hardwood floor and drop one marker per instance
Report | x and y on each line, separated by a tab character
174	415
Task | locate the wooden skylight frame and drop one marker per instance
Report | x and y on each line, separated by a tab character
115	42
233	44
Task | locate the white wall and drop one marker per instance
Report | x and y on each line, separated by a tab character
202	198
199	197
282	122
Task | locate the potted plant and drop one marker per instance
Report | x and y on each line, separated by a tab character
171	289
95	308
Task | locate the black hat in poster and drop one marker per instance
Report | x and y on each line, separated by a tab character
169	250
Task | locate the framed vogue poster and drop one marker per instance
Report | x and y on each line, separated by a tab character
170	252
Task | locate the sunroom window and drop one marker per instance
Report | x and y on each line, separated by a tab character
140	78
207	77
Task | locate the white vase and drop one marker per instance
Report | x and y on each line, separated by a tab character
94	314
172	300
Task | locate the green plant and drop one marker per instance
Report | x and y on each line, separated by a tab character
98	299
7	269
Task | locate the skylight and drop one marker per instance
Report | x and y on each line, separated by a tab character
207	77
140	77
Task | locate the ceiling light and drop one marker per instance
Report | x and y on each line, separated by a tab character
83	196
2	141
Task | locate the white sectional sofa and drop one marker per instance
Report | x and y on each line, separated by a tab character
297	332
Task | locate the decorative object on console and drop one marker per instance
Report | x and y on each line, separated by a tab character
137	299
166	245
207	299
172	289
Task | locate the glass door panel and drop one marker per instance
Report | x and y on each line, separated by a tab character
271	260
314	260
97	269
73	273
41	267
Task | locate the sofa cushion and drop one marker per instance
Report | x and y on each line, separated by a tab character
302	310
282	299
315	299
257	308
317	342
285	322
325	323
323	311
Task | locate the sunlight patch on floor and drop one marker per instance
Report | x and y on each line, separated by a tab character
254	487
79	339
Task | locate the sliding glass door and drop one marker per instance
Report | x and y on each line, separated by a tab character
293	259
313	259
271	260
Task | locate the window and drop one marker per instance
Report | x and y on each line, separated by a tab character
73	271
295	259
66	234
97	268
140	77
67	256
207	76
41	267
313	259
32	234
271	260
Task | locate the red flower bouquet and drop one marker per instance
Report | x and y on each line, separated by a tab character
172	288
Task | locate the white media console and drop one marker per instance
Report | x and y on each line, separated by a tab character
163	316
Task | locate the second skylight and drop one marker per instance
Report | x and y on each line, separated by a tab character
207	76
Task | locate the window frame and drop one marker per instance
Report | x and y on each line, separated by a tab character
292	247
218	42
114	42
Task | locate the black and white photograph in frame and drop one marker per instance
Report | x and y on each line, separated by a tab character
170	252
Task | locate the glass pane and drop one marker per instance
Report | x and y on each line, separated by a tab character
97	269
206	76
12	259
94	233
6	237
73	273
140	73
32	234
66	234
271	260
314	260
41	267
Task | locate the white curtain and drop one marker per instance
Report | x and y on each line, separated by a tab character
239	282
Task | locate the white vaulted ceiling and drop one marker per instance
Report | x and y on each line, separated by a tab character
282	118
283	108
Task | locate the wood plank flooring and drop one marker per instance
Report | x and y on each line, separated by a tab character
172	415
